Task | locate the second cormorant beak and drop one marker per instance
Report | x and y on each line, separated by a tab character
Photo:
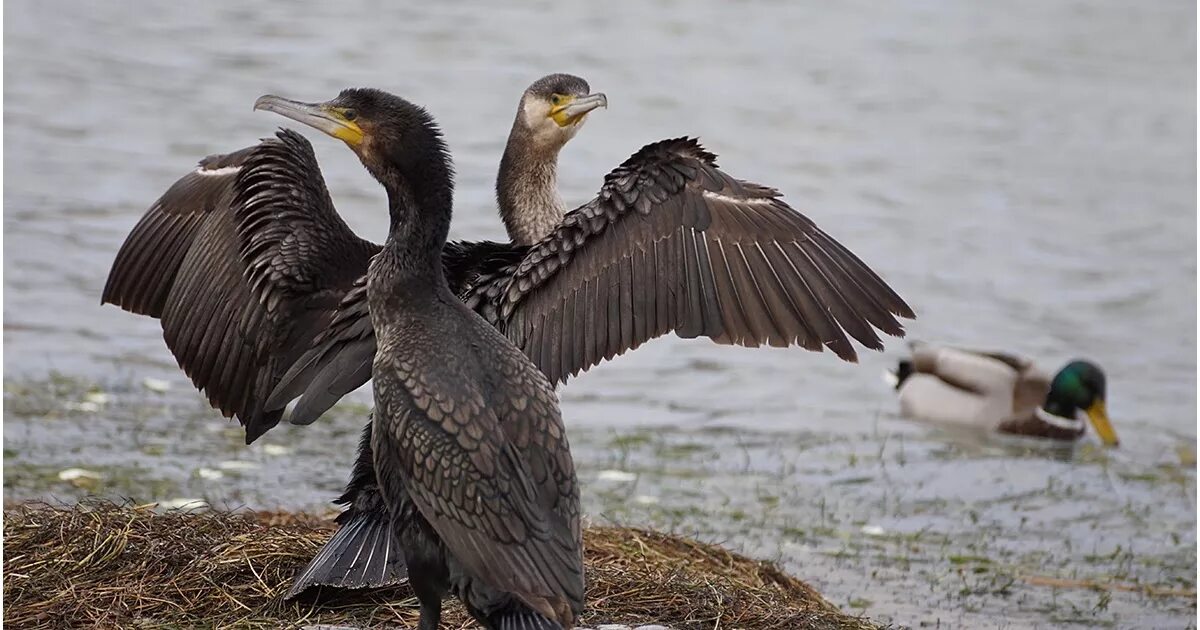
575	108
331	119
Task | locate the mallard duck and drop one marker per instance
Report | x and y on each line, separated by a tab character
1002	392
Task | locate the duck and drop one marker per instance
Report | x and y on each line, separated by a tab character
1004	393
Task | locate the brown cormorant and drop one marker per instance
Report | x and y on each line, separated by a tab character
469	447
261	291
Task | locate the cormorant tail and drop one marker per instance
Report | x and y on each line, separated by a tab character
522	620
363	553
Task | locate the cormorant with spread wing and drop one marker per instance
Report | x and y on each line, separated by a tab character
469	447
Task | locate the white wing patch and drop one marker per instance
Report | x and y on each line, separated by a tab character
748	201
218	172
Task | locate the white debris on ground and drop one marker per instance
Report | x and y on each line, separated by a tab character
81	478
873	530
237	464
156	384
616	476
209	474
183	504
97	398
91	403
601	627
618	626
71	474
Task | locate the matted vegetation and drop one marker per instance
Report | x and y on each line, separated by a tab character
99	564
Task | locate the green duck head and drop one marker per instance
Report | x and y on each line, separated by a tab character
1081	385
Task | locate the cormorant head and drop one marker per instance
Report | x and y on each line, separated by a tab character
553	109
389	134
1082	385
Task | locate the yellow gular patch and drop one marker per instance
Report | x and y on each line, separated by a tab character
343	128
558	111
350	133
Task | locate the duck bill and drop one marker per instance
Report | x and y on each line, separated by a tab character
319	116
574	111
1098	414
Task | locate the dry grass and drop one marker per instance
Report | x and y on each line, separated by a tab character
105	565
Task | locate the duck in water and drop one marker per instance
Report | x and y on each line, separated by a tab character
1004	393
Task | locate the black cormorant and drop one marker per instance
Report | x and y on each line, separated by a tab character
260	286
468	443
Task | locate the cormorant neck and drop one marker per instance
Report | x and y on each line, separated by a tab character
527	187
419	207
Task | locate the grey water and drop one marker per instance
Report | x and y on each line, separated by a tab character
1022	173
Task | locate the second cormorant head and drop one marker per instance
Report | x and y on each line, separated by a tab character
389	134
550	113
554	108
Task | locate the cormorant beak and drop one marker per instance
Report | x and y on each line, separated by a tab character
325	117
575	108
1098	414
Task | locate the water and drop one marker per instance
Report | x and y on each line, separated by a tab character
1023	176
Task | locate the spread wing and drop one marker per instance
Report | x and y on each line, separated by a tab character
244	261
339	359
672	243
148	263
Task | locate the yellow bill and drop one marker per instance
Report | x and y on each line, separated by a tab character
1098	414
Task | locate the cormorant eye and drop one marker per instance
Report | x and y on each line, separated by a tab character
555	99
349	114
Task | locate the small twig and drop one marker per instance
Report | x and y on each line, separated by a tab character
1095	585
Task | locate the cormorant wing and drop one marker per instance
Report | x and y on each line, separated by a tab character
672	243
339	359
244	261
148	263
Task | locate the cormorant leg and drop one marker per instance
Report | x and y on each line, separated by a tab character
428	574
431	615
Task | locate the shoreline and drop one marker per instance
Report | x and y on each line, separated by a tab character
98	563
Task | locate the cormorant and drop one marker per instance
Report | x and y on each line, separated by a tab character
469	447
261	291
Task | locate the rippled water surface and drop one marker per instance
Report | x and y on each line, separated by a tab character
1023	174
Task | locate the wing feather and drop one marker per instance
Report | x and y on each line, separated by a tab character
244	261
672	243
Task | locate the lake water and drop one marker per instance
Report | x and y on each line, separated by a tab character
1024	175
